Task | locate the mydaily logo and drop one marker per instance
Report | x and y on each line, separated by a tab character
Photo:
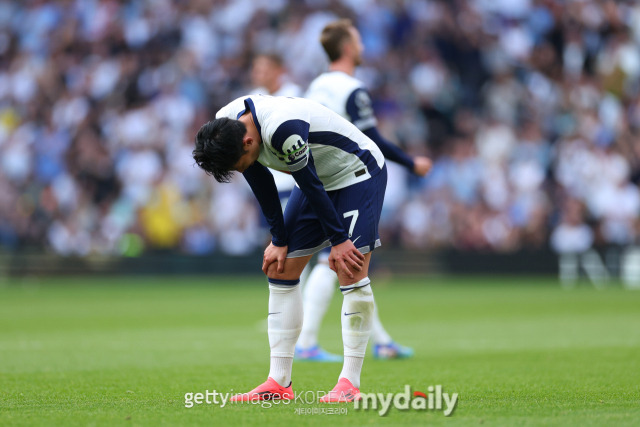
433	400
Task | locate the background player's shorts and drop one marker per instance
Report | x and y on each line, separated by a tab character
359	206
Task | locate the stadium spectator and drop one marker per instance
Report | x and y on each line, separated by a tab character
573	240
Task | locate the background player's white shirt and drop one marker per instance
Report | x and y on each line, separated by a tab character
342	155
335	90
286	89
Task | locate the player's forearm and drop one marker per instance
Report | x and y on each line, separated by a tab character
313	189
264	188
389	150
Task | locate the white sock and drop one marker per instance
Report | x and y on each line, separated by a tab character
318	291
351	369
284	324
357	313
304	276
378	334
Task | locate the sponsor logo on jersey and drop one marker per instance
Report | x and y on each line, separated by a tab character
298	150
295	156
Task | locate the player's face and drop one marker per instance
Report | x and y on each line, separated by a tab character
263	72
356	46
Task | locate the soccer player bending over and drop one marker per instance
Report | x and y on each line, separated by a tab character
341	179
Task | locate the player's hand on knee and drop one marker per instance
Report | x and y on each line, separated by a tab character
345	257
274	254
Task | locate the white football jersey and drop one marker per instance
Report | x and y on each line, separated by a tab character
284	182
345	95
294	130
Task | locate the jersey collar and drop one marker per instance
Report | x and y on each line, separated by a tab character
248	105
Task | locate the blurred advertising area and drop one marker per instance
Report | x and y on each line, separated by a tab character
530	110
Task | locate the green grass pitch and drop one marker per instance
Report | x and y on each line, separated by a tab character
124	351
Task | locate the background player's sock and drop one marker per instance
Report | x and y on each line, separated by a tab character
378	334
357	313
284	324
304	276
318	291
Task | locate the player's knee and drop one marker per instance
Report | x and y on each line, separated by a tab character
345	280
283	285
292	268
289	273
346	288
272	271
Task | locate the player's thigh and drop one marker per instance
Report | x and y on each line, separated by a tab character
292	268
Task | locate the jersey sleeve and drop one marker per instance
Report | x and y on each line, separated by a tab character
360	110
389	150
264	188
290	142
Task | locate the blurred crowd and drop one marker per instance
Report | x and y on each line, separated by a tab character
529	108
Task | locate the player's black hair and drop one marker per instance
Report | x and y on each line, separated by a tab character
219	147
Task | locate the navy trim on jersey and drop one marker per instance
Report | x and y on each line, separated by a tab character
283	282
389	150
345	144
286	129
251	107
294	155
361	115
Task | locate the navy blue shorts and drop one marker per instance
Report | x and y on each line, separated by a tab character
359	206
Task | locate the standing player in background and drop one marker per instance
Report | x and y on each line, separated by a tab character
269	77
340	91
341	179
